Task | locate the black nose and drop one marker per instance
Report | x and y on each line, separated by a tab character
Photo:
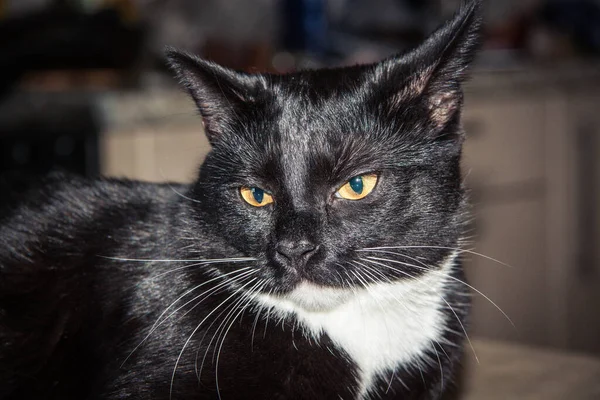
296	252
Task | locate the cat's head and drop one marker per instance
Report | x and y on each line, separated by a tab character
320	175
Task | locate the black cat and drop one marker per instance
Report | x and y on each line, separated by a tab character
315	257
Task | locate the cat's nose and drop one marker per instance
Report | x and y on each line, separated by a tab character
296	252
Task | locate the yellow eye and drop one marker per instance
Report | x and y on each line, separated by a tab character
256	197
358	187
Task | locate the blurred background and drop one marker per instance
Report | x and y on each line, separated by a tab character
84	87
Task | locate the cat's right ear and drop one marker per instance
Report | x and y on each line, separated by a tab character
219	92
435	71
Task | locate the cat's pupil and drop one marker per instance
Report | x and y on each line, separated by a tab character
258	194
356	184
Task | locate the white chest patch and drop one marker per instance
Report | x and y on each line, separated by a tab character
381	328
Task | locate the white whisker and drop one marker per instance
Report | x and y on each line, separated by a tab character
440	364
383	311
156	324
182	195
401	303
442	297
193	265
437	247
463	328
196	330
226	310
179	269
256	319
215	260
221	287
252	294
207	330
453	278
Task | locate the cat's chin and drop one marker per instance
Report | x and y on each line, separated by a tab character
317	298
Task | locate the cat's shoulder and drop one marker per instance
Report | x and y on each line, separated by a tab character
66	211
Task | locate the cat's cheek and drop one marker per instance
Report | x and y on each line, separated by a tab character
245	227
365	216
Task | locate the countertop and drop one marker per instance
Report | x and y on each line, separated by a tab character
509	371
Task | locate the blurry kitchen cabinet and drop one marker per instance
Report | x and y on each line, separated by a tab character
532	159
504	167
573	217
144	161
153	135
504	138
117	154
156	154
583	279
179	155
514	233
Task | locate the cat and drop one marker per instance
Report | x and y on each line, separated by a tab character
316	256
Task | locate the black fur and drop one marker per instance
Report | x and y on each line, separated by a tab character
72	309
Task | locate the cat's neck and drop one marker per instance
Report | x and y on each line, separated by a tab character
382	327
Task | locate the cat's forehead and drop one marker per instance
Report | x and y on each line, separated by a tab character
317	106
317	125
310	142
312	123
314	127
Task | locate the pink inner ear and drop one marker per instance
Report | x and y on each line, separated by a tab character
418	83
414	88
442	106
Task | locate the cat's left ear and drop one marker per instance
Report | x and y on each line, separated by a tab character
435	71
220	93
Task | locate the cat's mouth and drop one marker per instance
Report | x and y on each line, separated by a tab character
317	298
